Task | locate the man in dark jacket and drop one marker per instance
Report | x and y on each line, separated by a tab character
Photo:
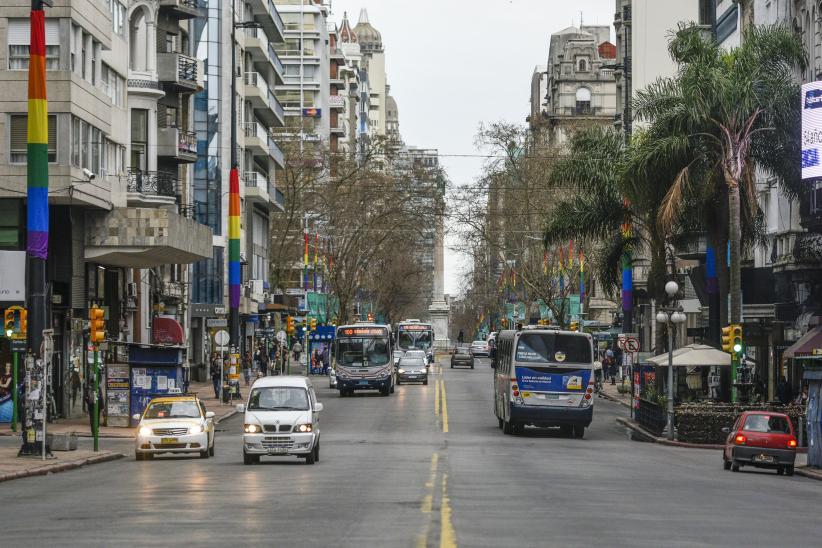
783	391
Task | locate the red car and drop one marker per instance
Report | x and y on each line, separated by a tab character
762	439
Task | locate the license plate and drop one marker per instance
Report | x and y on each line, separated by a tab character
168	440
764	458
551	396
277	451
363	383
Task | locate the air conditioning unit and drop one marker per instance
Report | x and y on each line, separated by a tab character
131	290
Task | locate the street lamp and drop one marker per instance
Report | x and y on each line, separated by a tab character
671	316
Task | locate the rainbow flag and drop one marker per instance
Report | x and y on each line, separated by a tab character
234	239
37	221
581	278
305	258
316	257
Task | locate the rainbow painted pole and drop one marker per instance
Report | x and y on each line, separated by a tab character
37	219
316	258
234	281
305	256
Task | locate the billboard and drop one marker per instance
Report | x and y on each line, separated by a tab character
812	130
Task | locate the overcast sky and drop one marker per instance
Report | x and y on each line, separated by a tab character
453	63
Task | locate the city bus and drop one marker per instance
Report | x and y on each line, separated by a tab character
544	378
415	335
363	359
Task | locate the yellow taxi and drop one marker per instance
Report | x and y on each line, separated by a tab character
174	424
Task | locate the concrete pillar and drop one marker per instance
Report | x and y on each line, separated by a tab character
88	45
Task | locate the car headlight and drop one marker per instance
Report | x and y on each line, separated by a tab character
401	371
145	431
196	429
302	428
252	428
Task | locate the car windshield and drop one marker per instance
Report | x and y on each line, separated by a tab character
554	348
173	410
767	424
277	398
359	352
412	362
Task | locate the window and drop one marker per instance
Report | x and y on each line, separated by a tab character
139	138
19	36
582	65
10	228
18	139
583	105
118	17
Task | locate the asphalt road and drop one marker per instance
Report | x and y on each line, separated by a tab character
425	467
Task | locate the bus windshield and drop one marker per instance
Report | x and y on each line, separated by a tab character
553	348
363	352
417	340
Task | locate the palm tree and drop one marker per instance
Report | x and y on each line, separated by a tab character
727	112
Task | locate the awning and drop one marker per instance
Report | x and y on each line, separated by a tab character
694	355
166	331
804	348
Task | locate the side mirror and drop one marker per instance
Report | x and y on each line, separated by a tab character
726	430
209	414
318	407
240	408
136	416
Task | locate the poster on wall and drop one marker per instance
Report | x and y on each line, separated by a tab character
117	392
812	130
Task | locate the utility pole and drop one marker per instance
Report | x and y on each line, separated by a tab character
234	274
37	221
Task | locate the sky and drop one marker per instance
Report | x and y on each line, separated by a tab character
453	64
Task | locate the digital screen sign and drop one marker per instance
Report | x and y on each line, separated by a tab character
415	327
363	332
812	130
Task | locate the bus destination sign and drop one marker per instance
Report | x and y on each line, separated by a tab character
362	332
415	327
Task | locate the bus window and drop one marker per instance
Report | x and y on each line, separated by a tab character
556	348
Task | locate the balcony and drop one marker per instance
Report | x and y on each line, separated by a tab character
178	71
265	13
181	9
144	83
256	187
172	290
262	51
145	237
262	99
261	143
178	144
278	199
152	183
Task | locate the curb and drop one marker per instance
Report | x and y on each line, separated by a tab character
664	441
808	472
226	416
615	400
62	467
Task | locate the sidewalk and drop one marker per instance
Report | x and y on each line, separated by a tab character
12	467
610	392
81	427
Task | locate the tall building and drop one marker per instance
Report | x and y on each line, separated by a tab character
120	81
258	69
373	62
355	110
539	96
306	58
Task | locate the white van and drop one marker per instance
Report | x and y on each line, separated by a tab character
282	417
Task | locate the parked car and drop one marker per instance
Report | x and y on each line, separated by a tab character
412	369
282	417
174	424
479	349
762	439
462	356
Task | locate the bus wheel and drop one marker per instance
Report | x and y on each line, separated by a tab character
507	428
566	431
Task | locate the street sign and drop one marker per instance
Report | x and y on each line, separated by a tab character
632	345
295	291
221	338
18	345
216	322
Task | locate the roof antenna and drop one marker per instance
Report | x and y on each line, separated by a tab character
580	19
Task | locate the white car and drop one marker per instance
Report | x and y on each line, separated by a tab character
282	417
174	424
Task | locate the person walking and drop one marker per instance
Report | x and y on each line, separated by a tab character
215	374
461	337
297	348
89	398
247	367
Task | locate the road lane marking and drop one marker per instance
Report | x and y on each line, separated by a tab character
448	537
437	397
444	409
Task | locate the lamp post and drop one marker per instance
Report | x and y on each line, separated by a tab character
671	316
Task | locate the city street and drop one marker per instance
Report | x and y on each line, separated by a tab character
418	469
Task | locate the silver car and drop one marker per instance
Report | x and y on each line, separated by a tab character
413	369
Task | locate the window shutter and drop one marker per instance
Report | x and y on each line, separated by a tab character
52	32
18	134
20	31
52	133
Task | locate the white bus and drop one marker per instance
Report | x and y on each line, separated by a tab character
415	335
363	359
544	377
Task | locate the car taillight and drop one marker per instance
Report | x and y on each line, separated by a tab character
791	443
740	439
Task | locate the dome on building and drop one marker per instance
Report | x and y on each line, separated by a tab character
391	110
368	37
346	33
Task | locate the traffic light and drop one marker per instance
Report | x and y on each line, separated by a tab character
289	325
313	324
8	322
370	317
736	339
726	339
24	322
97	325
574	326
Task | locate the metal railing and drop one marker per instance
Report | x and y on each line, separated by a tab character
142	84
187	142
279	197
186	68
255	79
255	179
159	183
255	129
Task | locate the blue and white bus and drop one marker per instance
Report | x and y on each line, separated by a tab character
415	335
544	377
363	359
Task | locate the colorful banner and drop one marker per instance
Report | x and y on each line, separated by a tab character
234	239
37	221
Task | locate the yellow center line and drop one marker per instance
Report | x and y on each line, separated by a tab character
448	537
444	409
437	397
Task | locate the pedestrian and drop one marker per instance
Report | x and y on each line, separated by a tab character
89	397
609	366
5	380
297	348
76	386
247	367
215	374
461	337
783	391
263	364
